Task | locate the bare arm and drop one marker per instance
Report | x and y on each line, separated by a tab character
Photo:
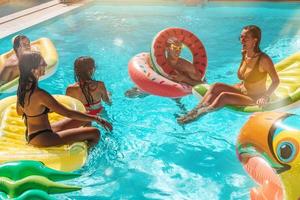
188	80
192	73
104	93
50	102
69	92
239	72
11	64
268	66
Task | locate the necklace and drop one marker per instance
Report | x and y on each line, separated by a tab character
251	57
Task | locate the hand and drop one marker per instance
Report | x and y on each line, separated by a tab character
105	124
177	77
263	100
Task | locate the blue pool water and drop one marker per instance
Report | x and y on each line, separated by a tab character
148	155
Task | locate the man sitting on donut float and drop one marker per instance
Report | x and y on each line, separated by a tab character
181	70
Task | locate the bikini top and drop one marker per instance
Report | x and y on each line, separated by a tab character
95	107
255	75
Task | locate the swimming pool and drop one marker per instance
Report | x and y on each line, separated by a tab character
148	155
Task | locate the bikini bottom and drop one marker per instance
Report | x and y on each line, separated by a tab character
30	136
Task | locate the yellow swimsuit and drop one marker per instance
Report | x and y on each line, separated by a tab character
254	82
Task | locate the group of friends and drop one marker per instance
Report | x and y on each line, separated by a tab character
254	68
34	103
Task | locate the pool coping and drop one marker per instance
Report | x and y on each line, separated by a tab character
29	17
21	20
27	11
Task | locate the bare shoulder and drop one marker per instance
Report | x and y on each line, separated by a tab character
266	61
265	58
39	96
41	93
72	89
100	84
73	86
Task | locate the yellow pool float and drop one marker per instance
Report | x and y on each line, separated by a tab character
286	94
49	53
13	145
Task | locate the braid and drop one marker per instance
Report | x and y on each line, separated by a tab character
84	68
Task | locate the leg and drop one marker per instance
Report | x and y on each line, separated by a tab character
47	139
225	98
215	91
135	92
68	123
228	98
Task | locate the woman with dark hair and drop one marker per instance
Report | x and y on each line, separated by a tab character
34	104
253	71
87	90
10	69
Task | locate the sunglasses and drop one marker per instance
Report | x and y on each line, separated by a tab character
175	47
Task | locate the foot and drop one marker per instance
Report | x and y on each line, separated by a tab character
202	105
135	93
192	115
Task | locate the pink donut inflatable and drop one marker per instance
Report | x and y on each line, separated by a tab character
147	80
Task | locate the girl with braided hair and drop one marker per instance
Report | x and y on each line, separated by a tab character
87	90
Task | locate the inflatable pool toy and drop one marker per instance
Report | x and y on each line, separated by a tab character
49	53
150	72
20	169
151	82
29	195
188	39
13	145
268	147
29	179
284	97
16	188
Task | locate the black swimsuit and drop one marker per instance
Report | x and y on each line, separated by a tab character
30	136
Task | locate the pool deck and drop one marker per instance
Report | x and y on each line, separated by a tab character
26	18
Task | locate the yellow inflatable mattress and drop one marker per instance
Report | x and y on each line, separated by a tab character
13	145
49	53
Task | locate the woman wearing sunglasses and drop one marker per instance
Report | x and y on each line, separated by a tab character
182	71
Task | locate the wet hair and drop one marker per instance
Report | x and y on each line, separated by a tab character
17	42
27	81
255	32
84	68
